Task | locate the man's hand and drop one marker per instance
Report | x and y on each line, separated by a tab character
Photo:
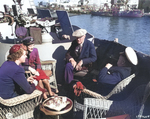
73	62
78	66
108	66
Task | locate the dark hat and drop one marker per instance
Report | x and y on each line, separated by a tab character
28	41
14	48
79	33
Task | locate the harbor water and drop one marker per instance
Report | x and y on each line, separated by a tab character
132	32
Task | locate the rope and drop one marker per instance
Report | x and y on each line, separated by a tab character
93	94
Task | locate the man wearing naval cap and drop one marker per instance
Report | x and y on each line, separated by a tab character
81	53
110	75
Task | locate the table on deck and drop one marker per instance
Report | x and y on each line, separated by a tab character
51	112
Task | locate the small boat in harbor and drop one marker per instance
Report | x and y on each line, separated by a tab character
132	99
122	12
126	9
101	13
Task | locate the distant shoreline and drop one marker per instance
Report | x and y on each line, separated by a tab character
73	14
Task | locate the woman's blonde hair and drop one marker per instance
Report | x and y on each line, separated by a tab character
16	55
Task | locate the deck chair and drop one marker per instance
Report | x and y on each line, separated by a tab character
31	12
66	27
43	13
132	105
20	107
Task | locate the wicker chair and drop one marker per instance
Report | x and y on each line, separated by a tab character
133	105
86	93
50	65
21	107
117	89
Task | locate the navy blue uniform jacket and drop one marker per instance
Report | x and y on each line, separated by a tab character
87	55
113	75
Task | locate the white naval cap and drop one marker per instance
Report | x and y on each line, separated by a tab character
131	55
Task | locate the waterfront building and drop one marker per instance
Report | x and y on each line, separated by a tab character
133	3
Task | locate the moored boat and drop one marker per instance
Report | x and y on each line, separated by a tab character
122	12
98	13
125	9
131	13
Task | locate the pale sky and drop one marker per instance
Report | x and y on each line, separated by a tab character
76	1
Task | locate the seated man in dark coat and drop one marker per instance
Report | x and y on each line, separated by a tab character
110	75
81	53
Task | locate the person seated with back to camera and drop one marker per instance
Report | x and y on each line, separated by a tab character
32	63
111	75
11	74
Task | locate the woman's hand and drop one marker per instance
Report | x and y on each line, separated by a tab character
30	79
33	71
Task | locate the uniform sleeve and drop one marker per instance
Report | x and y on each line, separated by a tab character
19	78
109	78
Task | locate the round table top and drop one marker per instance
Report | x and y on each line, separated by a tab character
48	111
